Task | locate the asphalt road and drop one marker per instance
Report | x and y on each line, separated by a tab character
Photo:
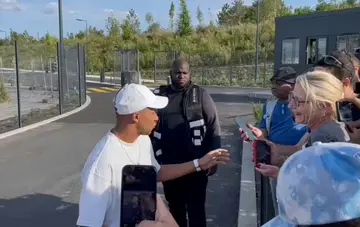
40	169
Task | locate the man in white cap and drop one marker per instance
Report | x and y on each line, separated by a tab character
128	143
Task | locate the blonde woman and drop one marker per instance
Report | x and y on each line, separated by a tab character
313	102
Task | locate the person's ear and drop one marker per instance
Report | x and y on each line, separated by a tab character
346	82
135	117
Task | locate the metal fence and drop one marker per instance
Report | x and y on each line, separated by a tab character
264	202
237	69
29	83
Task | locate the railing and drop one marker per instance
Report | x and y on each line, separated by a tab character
265	207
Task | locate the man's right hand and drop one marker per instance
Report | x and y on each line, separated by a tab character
218	156
255	131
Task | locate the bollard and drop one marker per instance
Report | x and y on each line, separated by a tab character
102	75
168	80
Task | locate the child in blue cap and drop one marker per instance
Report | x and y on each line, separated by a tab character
320	186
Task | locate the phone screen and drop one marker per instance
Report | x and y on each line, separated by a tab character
138	194
241	124
344	111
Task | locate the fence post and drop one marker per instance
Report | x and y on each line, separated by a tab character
18	82
79	70
59	63
85	73
154	66
230	76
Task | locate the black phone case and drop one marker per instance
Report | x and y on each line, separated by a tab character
344	111
263	152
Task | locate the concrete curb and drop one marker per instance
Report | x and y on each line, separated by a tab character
102	83
47	121
247	216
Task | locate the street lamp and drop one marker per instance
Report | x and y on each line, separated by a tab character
257	39
61	59
86	39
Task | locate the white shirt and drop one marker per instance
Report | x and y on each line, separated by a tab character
100	196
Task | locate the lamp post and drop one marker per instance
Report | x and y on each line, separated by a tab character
61	60
86	40
257	39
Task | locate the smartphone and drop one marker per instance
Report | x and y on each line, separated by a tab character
263	152
357	88
344	111
138	194
241	124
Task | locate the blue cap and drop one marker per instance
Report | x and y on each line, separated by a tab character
319	185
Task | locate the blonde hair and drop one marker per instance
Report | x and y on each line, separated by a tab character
321	88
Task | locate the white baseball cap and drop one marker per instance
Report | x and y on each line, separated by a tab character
135	97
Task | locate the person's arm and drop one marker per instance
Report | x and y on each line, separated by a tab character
171	172
262	124
94	200
212	138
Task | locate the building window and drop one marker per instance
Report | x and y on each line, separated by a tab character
322	47
290	51
348	43
316	48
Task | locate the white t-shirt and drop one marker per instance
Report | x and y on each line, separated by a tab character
101	178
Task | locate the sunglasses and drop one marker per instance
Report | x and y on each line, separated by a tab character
296	101
332	61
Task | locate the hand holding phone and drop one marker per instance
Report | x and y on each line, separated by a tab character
262	152
163	216
138	194
245	129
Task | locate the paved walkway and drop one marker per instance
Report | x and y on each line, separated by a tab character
40	169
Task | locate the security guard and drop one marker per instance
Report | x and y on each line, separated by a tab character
187	129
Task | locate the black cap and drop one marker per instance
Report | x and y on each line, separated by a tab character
286	74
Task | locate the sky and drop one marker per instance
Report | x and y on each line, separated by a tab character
41	16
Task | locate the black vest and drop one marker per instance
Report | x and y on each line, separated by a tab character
192	111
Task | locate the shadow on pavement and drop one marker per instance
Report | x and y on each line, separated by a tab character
37	210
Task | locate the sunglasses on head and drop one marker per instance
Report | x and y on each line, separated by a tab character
333	61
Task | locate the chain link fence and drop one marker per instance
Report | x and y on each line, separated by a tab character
29	83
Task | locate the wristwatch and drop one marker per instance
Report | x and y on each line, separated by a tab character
196	164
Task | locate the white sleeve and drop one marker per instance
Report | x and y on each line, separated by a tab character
94	201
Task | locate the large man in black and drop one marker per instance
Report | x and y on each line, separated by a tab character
187	129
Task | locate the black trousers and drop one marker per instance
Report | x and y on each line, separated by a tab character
187	195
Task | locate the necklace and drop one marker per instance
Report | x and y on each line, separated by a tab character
127	154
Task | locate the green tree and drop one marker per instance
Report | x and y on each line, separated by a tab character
184	21
130	26
171	15
113	26
149	18
200	16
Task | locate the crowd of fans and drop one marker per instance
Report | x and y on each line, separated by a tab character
312	132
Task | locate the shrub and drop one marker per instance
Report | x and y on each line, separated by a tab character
4	94
257	111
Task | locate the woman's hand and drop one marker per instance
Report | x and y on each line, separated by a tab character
268	170
255	131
